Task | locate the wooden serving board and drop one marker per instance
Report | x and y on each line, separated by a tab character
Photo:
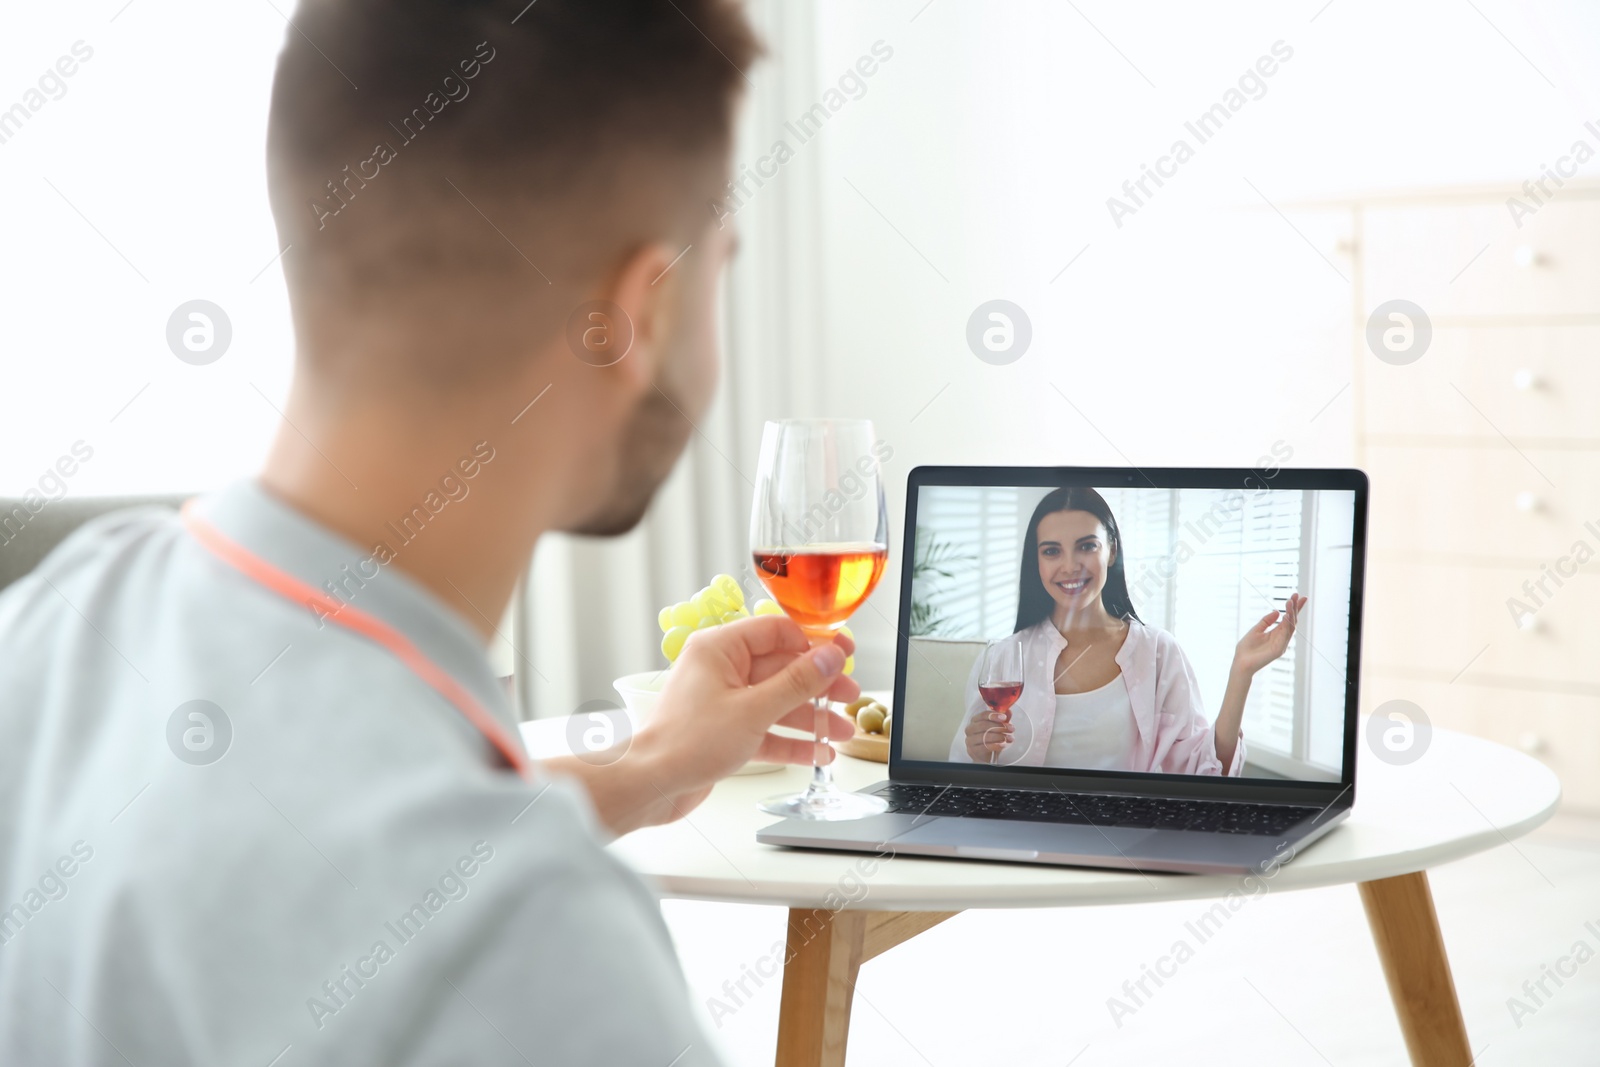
874	747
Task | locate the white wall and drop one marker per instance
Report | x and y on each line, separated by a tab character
158	141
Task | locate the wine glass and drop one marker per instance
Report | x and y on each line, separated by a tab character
1000	680
819	534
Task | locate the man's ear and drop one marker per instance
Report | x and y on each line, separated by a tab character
643	291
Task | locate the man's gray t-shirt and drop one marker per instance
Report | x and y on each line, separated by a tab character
231	831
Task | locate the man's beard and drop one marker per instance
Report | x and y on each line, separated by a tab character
651	444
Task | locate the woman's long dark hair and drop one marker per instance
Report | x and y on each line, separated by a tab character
1033	602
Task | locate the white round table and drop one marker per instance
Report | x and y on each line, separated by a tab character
1464	795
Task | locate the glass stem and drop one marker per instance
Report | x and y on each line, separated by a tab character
821	773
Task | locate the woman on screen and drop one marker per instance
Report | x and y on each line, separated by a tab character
1101	689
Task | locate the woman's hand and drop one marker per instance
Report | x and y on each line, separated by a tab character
1267	639
989	733
1263	643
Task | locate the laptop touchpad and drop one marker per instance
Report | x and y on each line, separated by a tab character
1005	839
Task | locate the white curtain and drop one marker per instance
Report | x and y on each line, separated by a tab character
586	612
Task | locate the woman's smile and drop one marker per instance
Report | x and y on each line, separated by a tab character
1073	586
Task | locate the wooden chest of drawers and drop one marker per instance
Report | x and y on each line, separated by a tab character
1483	581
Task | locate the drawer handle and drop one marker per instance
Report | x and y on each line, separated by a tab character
1526	256
1531	743
1525	380
1527	501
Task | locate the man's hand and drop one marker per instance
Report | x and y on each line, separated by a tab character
731	684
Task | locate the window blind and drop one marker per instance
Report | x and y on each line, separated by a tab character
1147	519
1244	558
974	534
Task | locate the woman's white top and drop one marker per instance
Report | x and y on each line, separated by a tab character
1173	733
1093	730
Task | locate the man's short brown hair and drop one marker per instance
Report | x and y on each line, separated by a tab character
501	143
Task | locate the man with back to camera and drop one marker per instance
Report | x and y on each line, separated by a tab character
260	793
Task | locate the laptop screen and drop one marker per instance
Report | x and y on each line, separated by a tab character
1131	629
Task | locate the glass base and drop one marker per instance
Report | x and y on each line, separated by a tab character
825	805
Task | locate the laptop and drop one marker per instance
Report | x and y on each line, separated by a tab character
1188	728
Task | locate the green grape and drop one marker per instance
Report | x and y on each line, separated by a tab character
707	622
849	664
672	643
684	614
734	616
664	619
728	588
767	607
705	603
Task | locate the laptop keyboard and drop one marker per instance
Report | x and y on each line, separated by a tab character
1095	809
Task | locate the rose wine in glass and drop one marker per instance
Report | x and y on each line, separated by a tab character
820	587
1000	682
819	537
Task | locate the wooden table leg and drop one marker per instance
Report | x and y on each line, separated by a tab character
825	952
1406	931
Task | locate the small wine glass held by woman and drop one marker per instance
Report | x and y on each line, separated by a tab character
819	534
1100	688
999	686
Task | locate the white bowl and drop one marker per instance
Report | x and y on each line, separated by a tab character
641	692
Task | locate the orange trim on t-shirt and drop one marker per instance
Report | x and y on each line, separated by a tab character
291	588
